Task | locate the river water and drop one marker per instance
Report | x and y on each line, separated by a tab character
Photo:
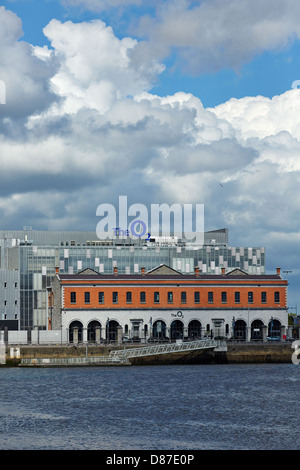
186	407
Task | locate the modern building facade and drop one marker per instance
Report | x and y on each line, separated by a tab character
9	297
34	254
164	304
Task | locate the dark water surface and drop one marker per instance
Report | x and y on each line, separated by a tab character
184	407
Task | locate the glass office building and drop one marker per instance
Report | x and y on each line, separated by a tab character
35	254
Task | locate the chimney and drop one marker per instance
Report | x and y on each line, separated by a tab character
56	270
115	270
143	270
223	271
196	270
278	271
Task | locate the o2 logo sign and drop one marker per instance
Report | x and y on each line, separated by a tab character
137	229
296	353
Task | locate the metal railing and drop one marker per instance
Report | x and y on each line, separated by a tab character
71	360
165	348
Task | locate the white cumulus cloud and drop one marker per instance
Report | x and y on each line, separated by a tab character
25	75
214	34
95	66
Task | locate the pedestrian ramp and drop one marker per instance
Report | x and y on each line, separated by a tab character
165	348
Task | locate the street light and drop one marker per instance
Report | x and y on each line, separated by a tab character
107	327
293	308
250	299
271	327
287	272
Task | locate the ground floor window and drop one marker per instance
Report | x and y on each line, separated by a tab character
159	329
274	328
76	332
112	330
94	331
194	329
257	330
240	329
176	330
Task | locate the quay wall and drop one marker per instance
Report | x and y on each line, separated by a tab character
235	354
259	353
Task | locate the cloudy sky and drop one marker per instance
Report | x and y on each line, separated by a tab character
165	101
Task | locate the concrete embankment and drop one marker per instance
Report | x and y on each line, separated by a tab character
15	354
235	354
257	353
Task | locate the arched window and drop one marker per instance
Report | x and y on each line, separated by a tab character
94	331
274	328
194	329
75	332
240	330
257	330
176	330
112	330
159	329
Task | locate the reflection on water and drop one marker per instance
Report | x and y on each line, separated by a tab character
160	407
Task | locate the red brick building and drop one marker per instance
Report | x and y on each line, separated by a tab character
165	304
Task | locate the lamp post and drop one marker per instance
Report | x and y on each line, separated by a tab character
293	308
107	329
249	328
271	328
287	272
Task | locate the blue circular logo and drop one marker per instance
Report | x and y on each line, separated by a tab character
135	222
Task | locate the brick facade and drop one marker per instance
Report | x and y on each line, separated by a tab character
165	295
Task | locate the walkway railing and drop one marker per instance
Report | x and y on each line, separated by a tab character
165	348
57	361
